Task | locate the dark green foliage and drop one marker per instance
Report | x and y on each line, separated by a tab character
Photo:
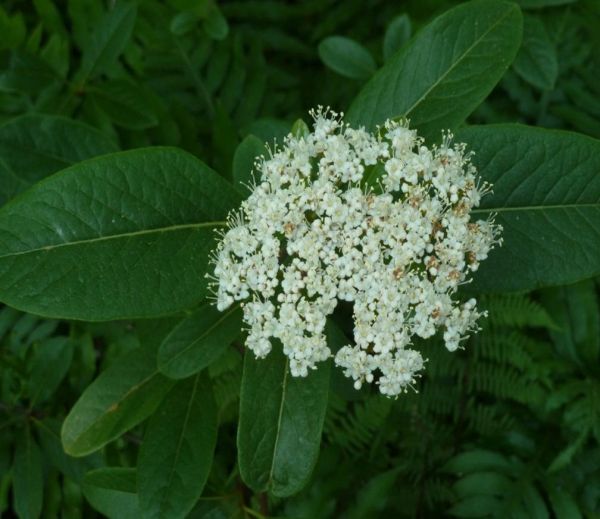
157	112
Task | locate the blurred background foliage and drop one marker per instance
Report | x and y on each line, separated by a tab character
509	427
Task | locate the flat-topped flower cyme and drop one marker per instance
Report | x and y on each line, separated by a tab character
376	219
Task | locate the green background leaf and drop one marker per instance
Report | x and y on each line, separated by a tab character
108	39
124	235
347	57
34	146
537	62
112	491
396	35
28	478
445	72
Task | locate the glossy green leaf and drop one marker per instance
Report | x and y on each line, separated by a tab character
124	235
28	479
124	395
445	72
397	34
546	193
280	424
347	57
108	39
537	62
177	451
199	340
112	491
35	145
243	160
125	103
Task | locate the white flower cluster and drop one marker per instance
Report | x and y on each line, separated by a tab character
379	220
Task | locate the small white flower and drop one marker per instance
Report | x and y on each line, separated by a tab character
312	233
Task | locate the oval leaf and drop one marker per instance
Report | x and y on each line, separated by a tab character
121	236
537	62
112	491
177	452
243	160
198	341
281	420
396	35
34	146
547	198
124	395
347	57
445	72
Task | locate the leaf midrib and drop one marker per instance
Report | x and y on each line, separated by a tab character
163	500
116	404
454	64
534	208
171	228
279	420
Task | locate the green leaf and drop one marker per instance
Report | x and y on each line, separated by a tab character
446	71
12	29
478	460
280	425
198	341
26	73
396	35
124	395
120	236
112	491
347	57
537	62
125	103
34	146
476	506
50	364
564	506
74	468
547	198
243	160
539	4
216	25
108	40
28	479
177	451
